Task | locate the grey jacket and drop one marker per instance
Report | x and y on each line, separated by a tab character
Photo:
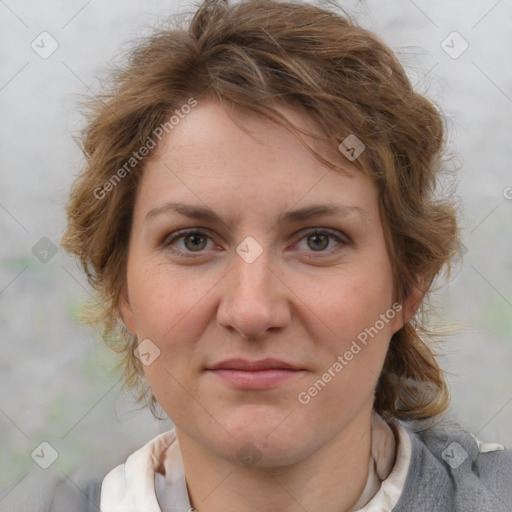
447	474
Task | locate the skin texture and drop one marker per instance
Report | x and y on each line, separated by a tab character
303	300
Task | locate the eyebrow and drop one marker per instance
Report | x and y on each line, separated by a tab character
300	214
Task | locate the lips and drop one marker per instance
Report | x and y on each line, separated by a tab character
262	374
245	365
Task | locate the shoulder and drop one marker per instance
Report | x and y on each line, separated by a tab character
451	469
80	494
45	492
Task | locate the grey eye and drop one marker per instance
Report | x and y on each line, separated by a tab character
318	242
195	242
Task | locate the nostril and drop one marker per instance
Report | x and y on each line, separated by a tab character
248	338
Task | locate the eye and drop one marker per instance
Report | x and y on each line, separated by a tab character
192	242
323	241
188	241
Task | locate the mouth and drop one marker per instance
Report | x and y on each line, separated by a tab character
261	374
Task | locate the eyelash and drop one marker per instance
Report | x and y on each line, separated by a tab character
181	234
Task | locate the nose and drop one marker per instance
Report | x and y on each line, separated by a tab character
255	300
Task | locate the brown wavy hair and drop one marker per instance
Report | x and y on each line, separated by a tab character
254	55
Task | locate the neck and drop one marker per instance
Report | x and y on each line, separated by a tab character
329	480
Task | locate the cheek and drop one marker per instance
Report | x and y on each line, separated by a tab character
352	300
163	299
354	316
360	314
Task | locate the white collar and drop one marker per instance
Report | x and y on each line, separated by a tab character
156	469
130	487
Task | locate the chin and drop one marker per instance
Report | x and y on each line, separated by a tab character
265	438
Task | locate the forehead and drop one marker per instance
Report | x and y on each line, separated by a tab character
227	129
247	160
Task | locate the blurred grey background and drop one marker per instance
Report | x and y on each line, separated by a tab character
58	383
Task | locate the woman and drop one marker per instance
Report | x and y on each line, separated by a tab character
259	221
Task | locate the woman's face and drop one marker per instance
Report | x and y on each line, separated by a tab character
262	282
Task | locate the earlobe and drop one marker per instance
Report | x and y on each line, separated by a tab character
413	302
409	307
126	313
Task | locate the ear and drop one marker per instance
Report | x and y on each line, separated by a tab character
125	310
409	307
